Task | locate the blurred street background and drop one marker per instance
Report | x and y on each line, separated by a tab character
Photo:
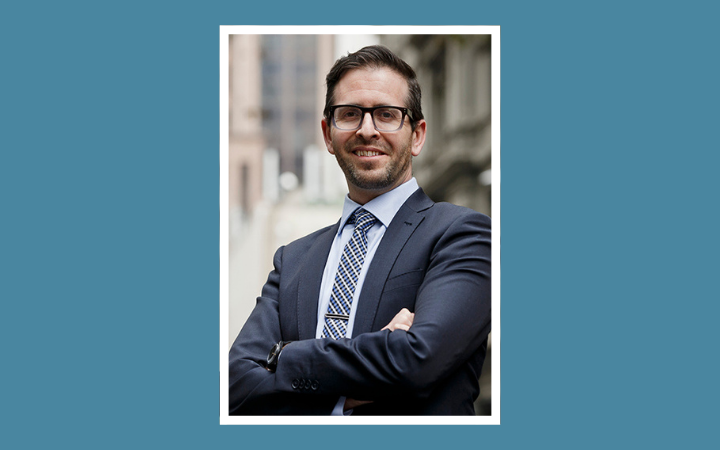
284	184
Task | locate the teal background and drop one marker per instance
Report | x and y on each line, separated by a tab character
109	180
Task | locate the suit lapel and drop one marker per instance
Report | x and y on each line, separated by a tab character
310	281
401	228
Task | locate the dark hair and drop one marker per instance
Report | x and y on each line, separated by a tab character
375	56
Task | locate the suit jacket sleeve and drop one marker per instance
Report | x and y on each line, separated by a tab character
452	320
252	387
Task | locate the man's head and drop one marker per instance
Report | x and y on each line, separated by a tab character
375	56
373	149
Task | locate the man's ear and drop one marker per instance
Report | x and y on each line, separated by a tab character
418	137
326	130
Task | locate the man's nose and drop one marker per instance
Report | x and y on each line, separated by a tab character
367	128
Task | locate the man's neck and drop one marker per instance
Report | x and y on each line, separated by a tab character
363	196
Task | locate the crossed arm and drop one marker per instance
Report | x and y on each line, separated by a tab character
402	321
450	321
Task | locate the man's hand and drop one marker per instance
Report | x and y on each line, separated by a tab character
402	321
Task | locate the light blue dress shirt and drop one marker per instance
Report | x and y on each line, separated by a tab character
384	209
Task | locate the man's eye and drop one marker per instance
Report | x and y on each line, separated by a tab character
348	114
386	114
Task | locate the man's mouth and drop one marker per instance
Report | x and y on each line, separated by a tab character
367	153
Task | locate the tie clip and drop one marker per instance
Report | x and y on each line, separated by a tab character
337	316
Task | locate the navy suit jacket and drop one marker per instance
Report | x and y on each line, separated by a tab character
434	259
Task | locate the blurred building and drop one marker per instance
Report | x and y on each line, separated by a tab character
293	72
276	101
454	74
246	140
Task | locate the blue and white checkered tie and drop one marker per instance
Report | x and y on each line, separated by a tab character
351	262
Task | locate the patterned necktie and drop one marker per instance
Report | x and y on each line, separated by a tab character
351	262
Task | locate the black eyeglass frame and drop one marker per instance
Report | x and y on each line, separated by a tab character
405	112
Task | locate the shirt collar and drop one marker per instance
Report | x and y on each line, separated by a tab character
383	207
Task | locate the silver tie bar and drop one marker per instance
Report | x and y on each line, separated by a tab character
337	316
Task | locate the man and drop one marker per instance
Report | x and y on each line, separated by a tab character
386	312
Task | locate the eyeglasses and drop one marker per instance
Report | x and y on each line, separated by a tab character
385	118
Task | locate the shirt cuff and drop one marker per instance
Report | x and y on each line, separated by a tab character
339	406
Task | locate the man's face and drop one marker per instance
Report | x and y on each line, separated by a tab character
374	162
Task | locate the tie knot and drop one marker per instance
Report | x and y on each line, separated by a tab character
362	219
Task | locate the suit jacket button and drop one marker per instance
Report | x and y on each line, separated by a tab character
295	383
315	385
307	384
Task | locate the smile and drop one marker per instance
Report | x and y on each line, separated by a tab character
368	153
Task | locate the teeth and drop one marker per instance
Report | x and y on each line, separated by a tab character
368	153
